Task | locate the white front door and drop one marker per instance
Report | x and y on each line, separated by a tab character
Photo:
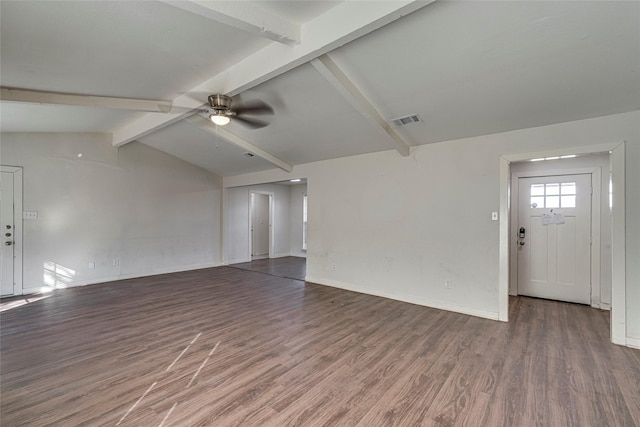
554	237
7	223
259	225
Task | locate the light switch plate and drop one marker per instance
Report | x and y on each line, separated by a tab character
29	215
494	216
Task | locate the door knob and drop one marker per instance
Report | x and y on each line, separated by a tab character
8	243
521	243
7	234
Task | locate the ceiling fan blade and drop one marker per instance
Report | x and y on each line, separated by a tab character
252	123
253	107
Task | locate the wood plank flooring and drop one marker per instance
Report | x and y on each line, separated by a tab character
289	267
231	347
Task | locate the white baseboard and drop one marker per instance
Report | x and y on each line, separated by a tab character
441	305
633	342
602	306
236	261
94	281
281	255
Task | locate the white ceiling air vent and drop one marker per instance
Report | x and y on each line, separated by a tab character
406	120
247	154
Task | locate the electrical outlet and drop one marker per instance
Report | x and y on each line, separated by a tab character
333	267
116	262
447	284
92	264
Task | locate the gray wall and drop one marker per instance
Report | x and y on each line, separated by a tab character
296	194
132	211
401	226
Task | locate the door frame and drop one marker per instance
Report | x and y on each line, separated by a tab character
618	253
271	234
17	227
596	185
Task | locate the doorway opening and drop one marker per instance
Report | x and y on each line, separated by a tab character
265	227
616	169
261	227
561	230
11	226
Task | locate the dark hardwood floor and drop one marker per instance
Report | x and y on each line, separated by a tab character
230	347
289	267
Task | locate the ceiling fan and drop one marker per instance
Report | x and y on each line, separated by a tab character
220	109
221	113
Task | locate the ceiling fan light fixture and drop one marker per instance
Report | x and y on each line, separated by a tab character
219	118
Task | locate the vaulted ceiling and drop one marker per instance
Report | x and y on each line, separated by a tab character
336	73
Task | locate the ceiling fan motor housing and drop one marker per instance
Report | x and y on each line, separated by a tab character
220	102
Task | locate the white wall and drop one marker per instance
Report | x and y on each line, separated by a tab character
148	211
237	221
400	226
296	194
600	160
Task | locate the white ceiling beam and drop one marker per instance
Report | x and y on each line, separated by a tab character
340	25
152	122
234	139
341	82
40	97
244	16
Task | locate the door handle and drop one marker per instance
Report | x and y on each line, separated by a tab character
7	234
8	243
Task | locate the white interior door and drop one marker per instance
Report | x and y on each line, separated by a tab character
554	237
7	222
259	225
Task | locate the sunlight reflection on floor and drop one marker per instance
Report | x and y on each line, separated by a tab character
18	302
